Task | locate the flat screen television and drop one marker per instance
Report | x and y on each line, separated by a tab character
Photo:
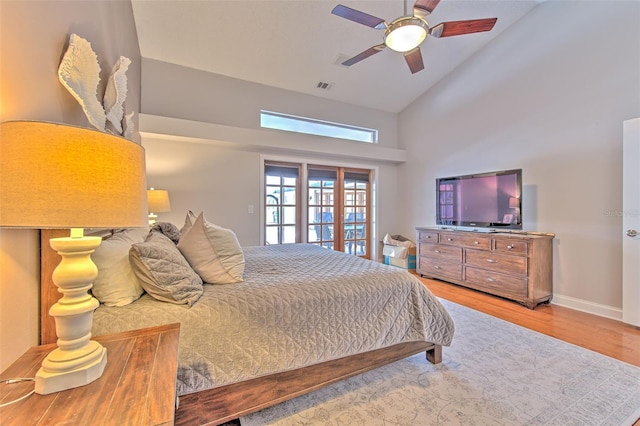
484	200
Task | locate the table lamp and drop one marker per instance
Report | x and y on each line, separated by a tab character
158	201
60	176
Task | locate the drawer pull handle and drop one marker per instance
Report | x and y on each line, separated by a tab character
436	267
490	280
509	247
437	251
476	243
449	239
492	261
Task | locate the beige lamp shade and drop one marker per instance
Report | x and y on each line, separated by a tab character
60	176
158	200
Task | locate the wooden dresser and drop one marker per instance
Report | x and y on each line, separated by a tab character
517	266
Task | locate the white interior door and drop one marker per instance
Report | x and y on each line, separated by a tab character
631	223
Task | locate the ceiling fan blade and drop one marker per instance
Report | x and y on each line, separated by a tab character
423	8
454	28
364	55
414	60
359	17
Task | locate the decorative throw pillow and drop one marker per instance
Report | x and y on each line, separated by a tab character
116	284
188	222
213	252
164	272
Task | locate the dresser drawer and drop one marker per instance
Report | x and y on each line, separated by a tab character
473	241
494	282
431	267
511	246
425	236
496	261
441	252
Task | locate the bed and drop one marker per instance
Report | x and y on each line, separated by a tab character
303	317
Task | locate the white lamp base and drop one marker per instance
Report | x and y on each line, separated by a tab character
152	219
57	376
78	360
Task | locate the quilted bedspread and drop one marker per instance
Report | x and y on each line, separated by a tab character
298	305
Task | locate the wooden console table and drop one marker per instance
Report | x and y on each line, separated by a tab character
137	386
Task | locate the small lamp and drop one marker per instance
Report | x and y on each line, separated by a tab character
60	176
158	201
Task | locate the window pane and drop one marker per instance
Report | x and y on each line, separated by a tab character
314	233
327	196
289	196
272	216
289	215
288	234
349	214
271	235
272	180
327	215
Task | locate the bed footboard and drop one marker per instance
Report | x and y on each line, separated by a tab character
219	405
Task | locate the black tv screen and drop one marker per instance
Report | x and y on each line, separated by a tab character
484	200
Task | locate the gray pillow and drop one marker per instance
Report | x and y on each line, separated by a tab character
163	271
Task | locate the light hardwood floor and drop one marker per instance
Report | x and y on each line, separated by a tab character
606	336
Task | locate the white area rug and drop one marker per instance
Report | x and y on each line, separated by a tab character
495	373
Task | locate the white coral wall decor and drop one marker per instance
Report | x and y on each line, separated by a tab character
129	126
79	73
116	93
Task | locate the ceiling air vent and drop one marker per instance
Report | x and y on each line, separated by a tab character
323	85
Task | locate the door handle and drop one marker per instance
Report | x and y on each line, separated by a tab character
632	233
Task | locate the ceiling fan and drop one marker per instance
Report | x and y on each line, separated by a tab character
405	34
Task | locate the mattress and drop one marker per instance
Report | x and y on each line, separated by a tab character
298	305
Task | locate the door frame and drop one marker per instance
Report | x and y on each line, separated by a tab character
631	221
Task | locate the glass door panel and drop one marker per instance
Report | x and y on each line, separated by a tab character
321	207
282	217
356	208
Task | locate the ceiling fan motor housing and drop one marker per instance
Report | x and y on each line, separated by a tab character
406	33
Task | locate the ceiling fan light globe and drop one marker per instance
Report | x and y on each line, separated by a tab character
405	34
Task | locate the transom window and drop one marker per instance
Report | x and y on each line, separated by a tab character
292	123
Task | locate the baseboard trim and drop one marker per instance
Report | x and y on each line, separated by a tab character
589	307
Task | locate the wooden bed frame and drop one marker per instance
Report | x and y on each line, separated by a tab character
224	403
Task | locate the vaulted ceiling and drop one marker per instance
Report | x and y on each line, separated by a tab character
295	45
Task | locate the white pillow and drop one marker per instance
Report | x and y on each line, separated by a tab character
188	222
213	252
116	284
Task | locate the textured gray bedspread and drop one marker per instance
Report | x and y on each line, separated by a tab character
298	305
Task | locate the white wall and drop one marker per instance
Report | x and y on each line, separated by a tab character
549	95
33	38
174	91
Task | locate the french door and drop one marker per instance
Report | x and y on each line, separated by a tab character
338	209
